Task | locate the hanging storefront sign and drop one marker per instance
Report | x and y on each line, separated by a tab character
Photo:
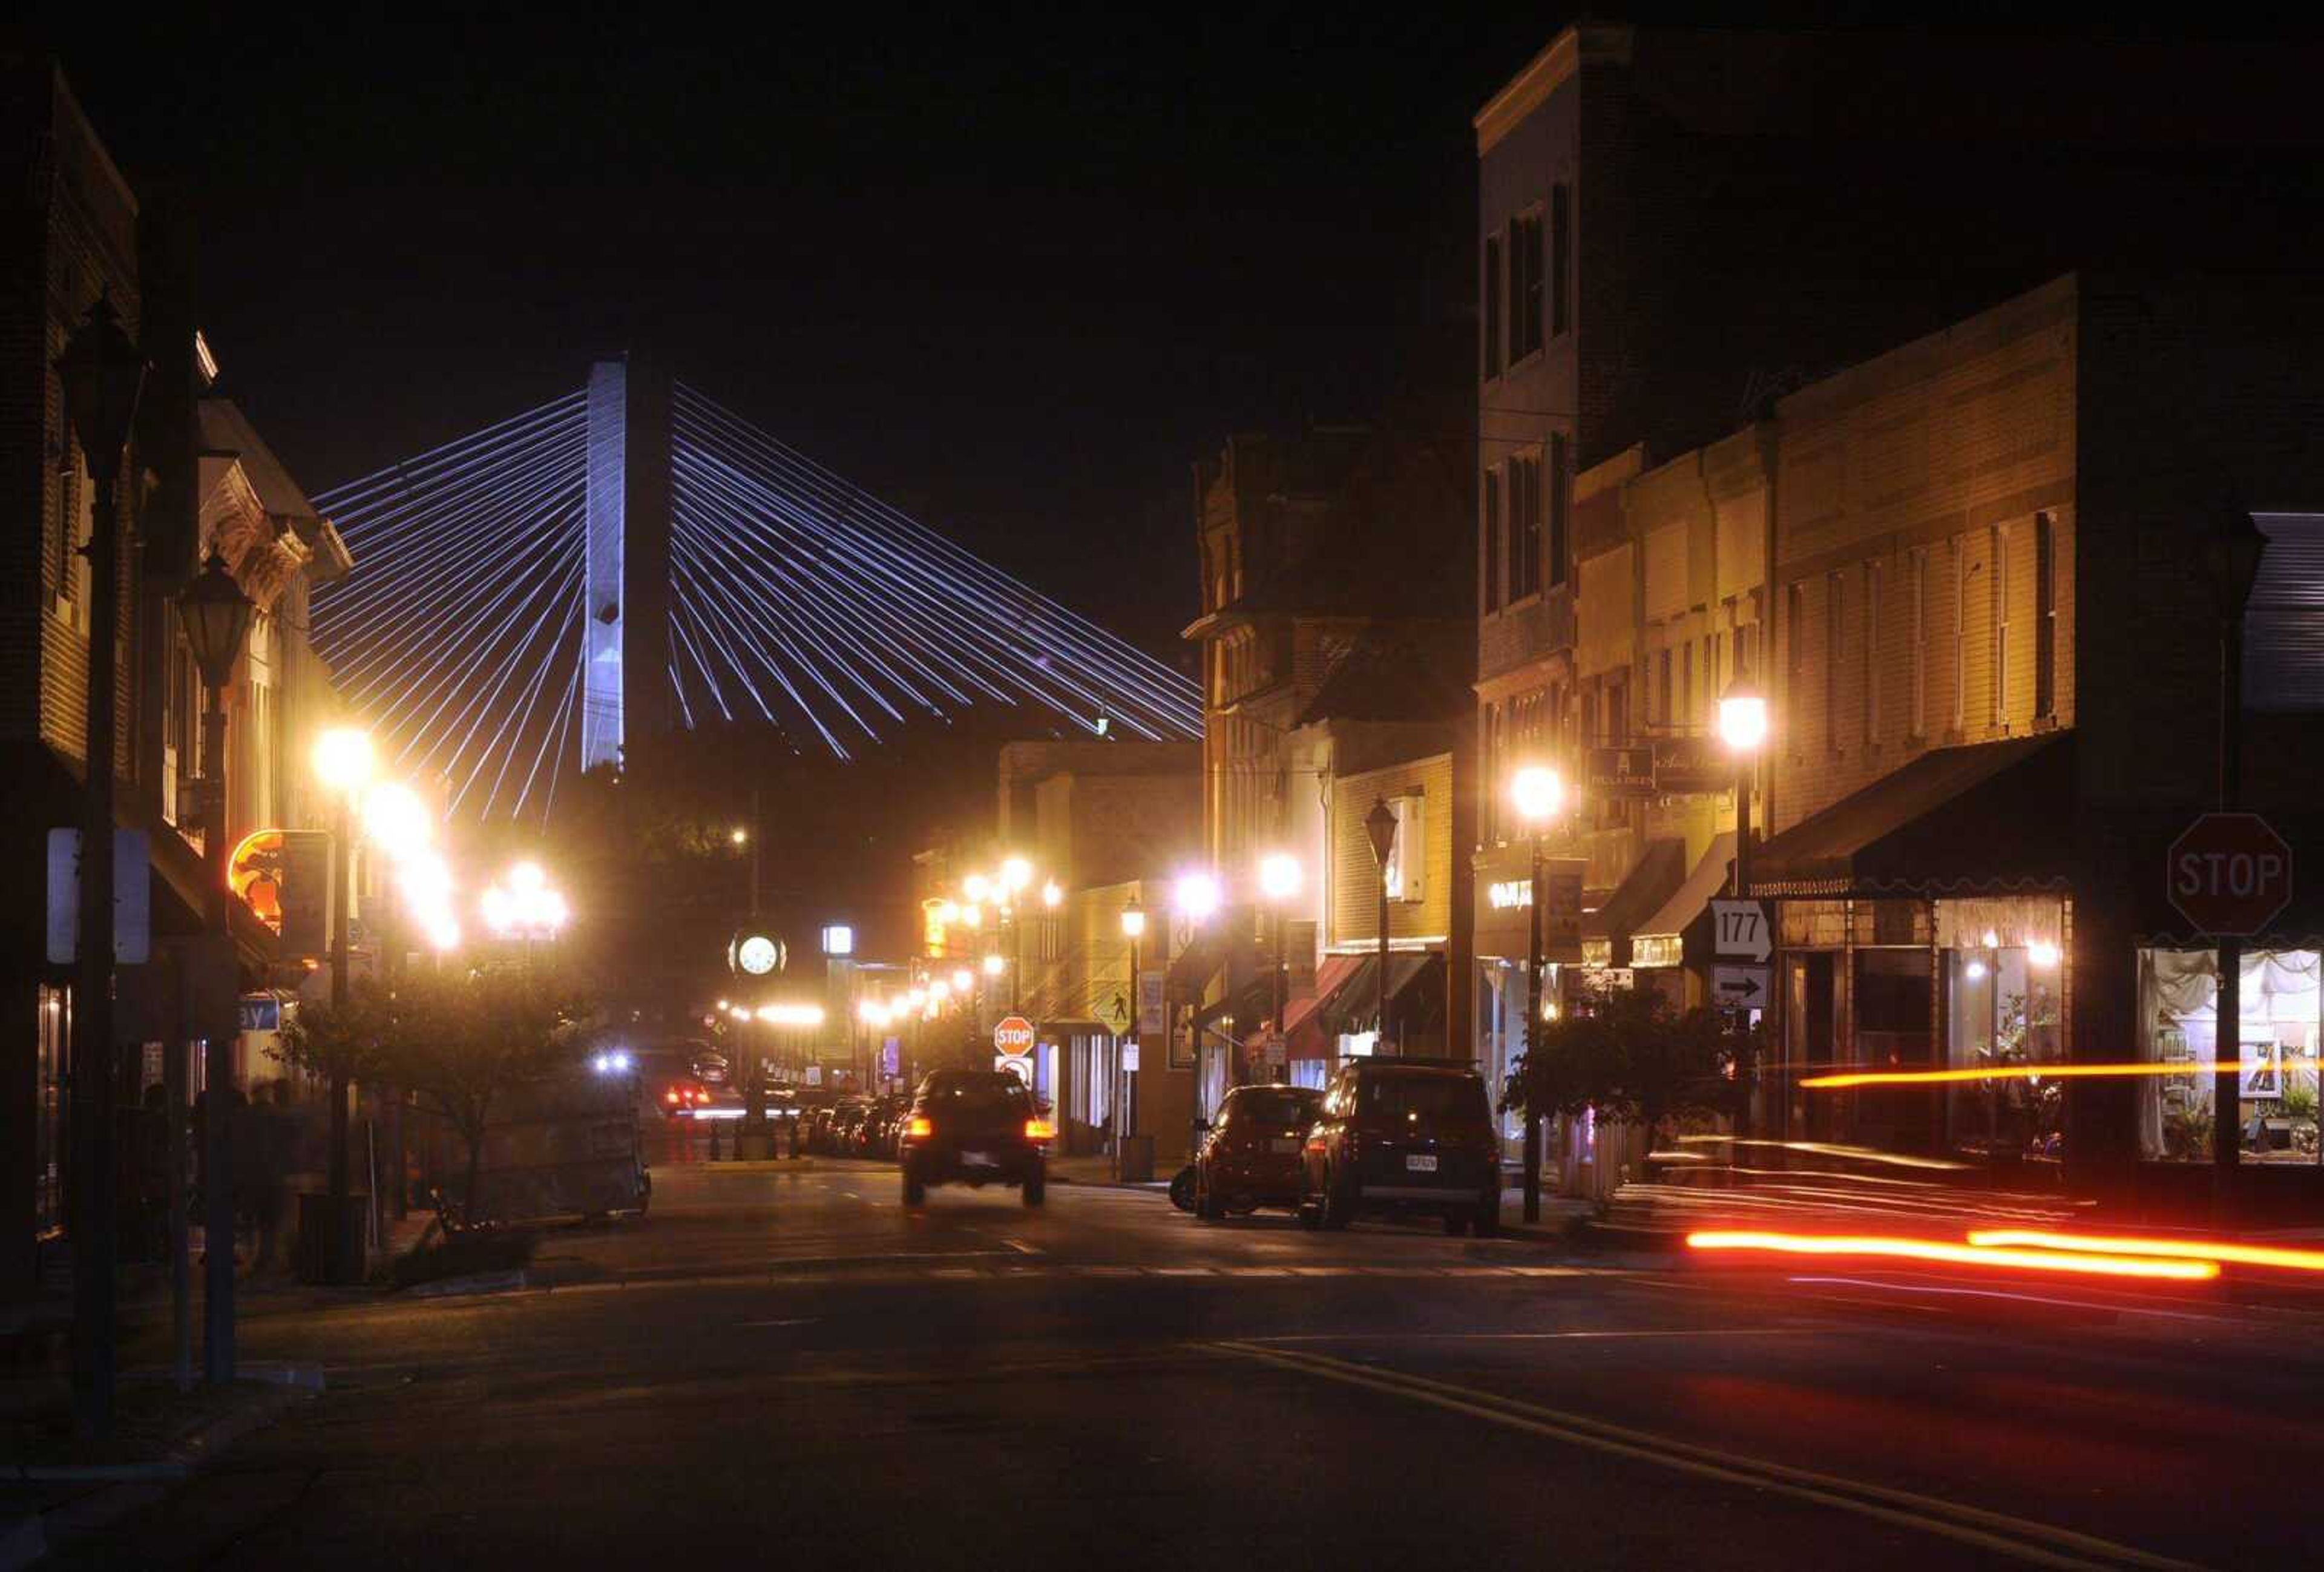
1504	904
1622	771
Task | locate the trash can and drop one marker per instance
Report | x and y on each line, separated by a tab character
1135	1160
325	1255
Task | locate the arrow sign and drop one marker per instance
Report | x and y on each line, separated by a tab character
1740	987
1740	929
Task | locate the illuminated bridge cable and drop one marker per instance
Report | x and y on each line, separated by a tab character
795	598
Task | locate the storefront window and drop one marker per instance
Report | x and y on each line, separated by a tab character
2004	1015
2178	1025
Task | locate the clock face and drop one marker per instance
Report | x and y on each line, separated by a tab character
758	955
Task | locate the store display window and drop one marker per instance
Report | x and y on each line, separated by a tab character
2276	1056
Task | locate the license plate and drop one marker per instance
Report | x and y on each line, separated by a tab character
983	1160
1419	1164
1283	1147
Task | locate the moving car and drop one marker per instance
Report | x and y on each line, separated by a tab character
973	1127
1250	1157
1403	1135
683	1095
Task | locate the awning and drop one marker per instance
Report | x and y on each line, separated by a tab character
1709	879
1653	879
1987	817
1330	973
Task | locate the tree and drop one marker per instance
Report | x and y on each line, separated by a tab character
459	1041
339	1044
1633	1058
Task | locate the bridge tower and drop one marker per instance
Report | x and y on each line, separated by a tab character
625	684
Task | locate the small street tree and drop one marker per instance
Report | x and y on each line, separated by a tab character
1632	1056
460	1041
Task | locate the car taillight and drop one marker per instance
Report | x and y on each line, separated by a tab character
669	1097
1039	1129
917	1125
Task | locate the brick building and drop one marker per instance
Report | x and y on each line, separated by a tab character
1997	701
197	477
1335	637
1677	228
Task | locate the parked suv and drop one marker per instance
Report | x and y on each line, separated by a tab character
1250	1157
973	1127
1404	1134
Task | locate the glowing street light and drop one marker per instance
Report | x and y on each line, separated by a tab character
1197	896
1538	794
977	887
1743	727
343	759
1133	921
739	837
962	979
1052	895
1279	877
995	964
396	820
1015	873
524	906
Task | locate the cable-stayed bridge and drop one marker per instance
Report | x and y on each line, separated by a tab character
633	558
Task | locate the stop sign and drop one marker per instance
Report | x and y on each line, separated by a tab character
1013	1036
2229	873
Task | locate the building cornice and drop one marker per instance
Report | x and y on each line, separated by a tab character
1543	74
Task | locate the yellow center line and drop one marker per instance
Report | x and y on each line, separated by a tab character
2039	1544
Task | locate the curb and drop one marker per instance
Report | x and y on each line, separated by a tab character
194	1450
475	1282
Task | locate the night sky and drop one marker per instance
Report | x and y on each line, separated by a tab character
1016	276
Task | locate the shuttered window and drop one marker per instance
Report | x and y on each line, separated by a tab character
2283	626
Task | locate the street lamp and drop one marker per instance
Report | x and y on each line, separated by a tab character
343	763
1015	873
1279	878
2232	551
1538	794
103	373
1379	824
1197	897
1133	929
216	615
1743	727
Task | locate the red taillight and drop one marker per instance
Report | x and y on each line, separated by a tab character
918	1125
669	1097
1039	1129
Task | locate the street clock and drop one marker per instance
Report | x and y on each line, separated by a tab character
755	953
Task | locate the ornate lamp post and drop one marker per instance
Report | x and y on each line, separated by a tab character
343	763
217	617
1379	824
1279	878
103	373
1743	727
1538	794
1133	929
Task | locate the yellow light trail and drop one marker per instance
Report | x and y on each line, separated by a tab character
2082	1263
2030	1072
2216	1249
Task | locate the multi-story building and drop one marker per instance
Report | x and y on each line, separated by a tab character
1677	227
1334	638
196	478
1999	701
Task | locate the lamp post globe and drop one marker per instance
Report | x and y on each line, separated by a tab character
216	615
1743	716
1537	792
104	374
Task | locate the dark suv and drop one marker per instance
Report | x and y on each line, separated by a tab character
1404	1134
973	1127
1250	1157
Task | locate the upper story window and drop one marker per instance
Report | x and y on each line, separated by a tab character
1492	300
1561	259
2045	617
1526	265
1560	488
1490	518
1524	526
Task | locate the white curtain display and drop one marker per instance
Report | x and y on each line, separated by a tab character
2178	998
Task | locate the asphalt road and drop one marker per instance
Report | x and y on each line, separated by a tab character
792	1367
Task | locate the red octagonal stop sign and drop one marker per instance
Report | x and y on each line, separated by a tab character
2229	873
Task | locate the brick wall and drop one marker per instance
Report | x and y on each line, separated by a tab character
1926	470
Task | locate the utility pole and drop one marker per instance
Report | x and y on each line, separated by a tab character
103	373
1536	1001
